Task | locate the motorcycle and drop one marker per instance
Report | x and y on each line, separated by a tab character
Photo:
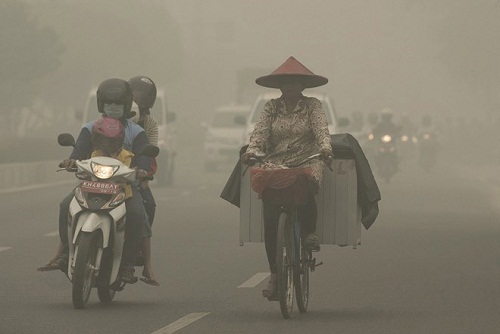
386	157
407	146
428	147
96	225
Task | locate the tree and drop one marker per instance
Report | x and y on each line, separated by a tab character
29	53
112	38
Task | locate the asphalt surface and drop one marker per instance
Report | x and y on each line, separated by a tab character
429	264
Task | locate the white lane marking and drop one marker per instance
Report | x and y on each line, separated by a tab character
4	248
254	280
181	323
52	234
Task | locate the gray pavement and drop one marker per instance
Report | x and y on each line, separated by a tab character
429	264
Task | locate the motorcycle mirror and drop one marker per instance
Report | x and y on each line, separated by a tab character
66	139
151	151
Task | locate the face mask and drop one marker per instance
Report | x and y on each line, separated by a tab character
115	111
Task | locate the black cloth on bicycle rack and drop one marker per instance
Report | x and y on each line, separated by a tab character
344	146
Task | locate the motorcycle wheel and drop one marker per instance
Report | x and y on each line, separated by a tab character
84	272
104	291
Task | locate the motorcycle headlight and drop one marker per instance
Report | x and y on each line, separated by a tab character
386	139
103	172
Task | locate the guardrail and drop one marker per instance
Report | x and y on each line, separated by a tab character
27	175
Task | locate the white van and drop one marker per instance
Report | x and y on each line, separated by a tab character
223	133
166	132
334	123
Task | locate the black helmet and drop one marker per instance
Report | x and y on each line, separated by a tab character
114	91
143	91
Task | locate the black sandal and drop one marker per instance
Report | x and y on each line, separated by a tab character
58	264
127	276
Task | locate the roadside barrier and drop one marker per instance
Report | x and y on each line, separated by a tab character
27	175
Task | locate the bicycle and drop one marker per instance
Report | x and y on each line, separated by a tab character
293	257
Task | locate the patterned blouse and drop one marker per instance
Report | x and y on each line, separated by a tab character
289	137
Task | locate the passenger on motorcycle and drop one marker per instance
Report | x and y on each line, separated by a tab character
114	99
385	127
144	95
288	130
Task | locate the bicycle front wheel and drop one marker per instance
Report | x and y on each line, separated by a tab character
302	279
284	260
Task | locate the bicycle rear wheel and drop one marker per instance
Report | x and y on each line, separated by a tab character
302	279
284	260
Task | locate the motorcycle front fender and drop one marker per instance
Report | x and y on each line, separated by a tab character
92	221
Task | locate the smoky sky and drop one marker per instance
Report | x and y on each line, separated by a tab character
413	56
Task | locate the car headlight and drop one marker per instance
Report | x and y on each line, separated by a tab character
103	172
370	136
427	136
404	138
386	139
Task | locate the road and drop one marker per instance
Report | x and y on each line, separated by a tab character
429	264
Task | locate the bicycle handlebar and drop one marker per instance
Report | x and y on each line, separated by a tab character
257	159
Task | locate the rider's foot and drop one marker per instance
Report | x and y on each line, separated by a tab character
126	275
312	242
149	277
271	290
59	263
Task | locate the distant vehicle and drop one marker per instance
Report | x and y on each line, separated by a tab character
223	135
166	133
334	122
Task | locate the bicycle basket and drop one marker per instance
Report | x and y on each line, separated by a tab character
282	186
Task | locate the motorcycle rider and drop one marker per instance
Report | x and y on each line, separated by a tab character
144	95
114	99
386	126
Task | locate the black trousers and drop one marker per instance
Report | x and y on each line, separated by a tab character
307	215
149	204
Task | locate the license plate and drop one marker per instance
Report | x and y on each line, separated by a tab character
100	187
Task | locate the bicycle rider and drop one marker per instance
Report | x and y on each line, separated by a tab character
289	129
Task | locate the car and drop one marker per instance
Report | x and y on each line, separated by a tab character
166	133
223	134
334	122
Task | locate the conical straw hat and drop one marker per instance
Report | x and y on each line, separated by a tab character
291	69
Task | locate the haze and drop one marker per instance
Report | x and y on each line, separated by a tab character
429	263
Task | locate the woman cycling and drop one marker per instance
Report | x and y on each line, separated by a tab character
289	129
